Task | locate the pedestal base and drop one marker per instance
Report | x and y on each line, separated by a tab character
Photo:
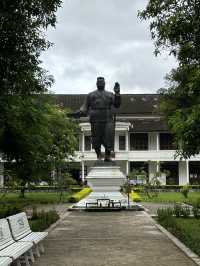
105	180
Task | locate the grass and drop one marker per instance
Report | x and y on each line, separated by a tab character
170	197
42	220
34	198
188	231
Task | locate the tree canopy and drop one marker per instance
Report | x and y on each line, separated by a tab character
37	136
22	25
34	132
175	27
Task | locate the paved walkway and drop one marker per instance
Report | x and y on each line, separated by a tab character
110	239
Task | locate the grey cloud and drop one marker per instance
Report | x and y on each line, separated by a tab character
103	37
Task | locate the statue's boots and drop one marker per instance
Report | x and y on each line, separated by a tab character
98	153
107	156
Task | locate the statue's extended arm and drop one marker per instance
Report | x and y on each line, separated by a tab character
82	111
117	96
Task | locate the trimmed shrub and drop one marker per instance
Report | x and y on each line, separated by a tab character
135	196
79	195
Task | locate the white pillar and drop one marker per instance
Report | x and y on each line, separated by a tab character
157	166
82	171
127	167
158	142
83	142
183	172
127	141
1	174
188	172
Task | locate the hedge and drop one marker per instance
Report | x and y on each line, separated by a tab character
135	197
80	195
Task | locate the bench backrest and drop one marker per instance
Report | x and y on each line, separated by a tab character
19	225
5	234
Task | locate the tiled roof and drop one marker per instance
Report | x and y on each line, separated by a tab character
148	125
132	104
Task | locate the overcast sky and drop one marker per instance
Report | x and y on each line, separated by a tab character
103	38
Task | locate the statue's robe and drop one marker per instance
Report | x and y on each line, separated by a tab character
98	106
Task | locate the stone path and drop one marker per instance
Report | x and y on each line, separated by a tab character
110	239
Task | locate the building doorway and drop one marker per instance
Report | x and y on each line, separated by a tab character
171	168
194	170
143	170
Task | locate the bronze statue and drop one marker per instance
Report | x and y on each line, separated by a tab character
98	106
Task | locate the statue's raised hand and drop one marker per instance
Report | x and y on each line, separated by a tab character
117	88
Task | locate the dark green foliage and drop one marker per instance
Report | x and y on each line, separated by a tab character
175	26
181	211
37	137
165	217
177	210
8	210
186	229
42	220
22	23
185	212
196	208
185	190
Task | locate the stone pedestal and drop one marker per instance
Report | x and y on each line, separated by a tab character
105	180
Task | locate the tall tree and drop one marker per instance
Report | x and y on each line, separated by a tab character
22	23
175	26
38	135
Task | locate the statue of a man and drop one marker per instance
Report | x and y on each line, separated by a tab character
98	106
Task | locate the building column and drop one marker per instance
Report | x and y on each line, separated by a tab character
157	166
127	167
83	171
127	142
158	142
188	172
1	174
83	142
183	172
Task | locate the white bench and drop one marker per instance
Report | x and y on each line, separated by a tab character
10	248
21	232
5	261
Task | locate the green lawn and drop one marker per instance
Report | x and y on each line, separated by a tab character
188	231
171	197
34	198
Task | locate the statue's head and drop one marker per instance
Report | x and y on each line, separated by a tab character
100	83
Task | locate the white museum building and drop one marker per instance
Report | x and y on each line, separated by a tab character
142	141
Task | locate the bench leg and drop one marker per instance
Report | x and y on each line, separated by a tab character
18	262
37	251
41	247
31	255
26	259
